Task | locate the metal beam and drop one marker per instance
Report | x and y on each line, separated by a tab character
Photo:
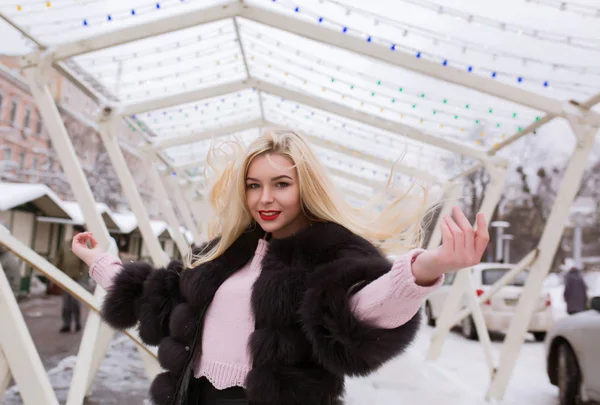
586	105
421	175
402	59
334	108
336	147
93	331
519	134
127	110
199	136
21	30
459	286
245	59
149	29
359	116
592	101
108	135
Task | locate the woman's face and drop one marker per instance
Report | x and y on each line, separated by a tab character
273	196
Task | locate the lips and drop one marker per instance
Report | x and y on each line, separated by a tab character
269	215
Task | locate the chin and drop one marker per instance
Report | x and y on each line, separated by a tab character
270	226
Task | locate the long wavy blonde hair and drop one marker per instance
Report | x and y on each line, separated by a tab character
392	219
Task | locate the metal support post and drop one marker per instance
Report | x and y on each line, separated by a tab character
166	207
18	355
194	207
461	281
549	242
109	139
90	346
83	195
184	209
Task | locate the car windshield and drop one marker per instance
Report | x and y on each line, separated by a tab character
490	276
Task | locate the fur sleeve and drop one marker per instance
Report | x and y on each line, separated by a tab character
140	293
342	343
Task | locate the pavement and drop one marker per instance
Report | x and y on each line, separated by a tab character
42	315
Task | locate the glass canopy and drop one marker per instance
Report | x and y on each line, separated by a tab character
436	86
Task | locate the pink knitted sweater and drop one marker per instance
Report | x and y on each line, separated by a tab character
388	302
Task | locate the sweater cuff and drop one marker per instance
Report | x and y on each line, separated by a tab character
404	279
104	269
394	298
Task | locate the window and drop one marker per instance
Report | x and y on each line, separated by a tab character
27	119
35	163
1	105
38	128
490	276
22	160
13	112
8	154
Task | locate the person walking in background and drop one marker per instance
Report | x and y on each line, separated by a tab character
73	267
575	294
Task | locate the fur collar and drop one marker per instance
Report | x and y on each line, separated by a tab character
313	245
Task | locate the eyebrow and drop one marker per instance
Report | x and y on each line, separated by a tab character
273	179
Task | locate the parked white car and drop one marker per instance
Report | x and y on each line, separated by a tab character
573	356
498	311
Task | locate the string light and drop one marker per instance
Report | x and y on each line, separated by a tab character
456	63
68	24
582	42
414	93
414	105
363	104
577	8
391	142
214	39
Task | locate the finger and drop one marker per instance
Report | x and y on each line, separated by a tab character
79	238
93	241
482	235
457	234
466	227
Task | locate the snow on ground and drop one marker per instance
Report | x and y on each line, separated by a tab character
458	377
121	372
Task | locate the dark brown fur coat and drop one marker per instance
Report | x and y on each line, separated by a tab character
306	338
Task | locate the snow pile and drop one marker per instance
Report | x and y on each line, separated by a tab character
122	371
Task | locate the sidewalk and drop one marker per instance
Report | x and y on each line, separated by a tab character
121	378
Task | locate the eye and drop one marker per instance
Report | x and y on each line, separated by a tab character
282	184
252	185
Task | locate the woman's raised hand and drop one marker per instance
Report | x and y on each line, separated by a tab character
462	246
82	250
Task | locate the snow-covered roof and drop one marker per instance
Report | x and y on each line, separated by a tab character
77	214
126	221
159	228
41	196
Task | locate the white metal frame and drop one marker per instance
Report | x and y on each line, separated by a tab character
18	355
92	348
579	115
548	244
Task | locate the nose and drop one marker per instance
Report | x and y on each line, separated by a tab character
266	196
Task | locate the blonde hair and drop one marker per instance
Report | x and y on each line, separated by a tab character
391	220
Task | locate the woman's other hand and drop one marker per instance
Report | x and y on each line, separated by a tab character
82	250
462	246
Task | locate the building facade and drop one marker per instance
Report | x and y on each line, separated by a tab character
27	154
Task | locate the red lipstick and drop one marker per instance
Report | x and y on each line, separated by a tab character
269	215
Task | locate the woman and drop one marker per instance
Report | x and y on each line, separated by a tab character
292	295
